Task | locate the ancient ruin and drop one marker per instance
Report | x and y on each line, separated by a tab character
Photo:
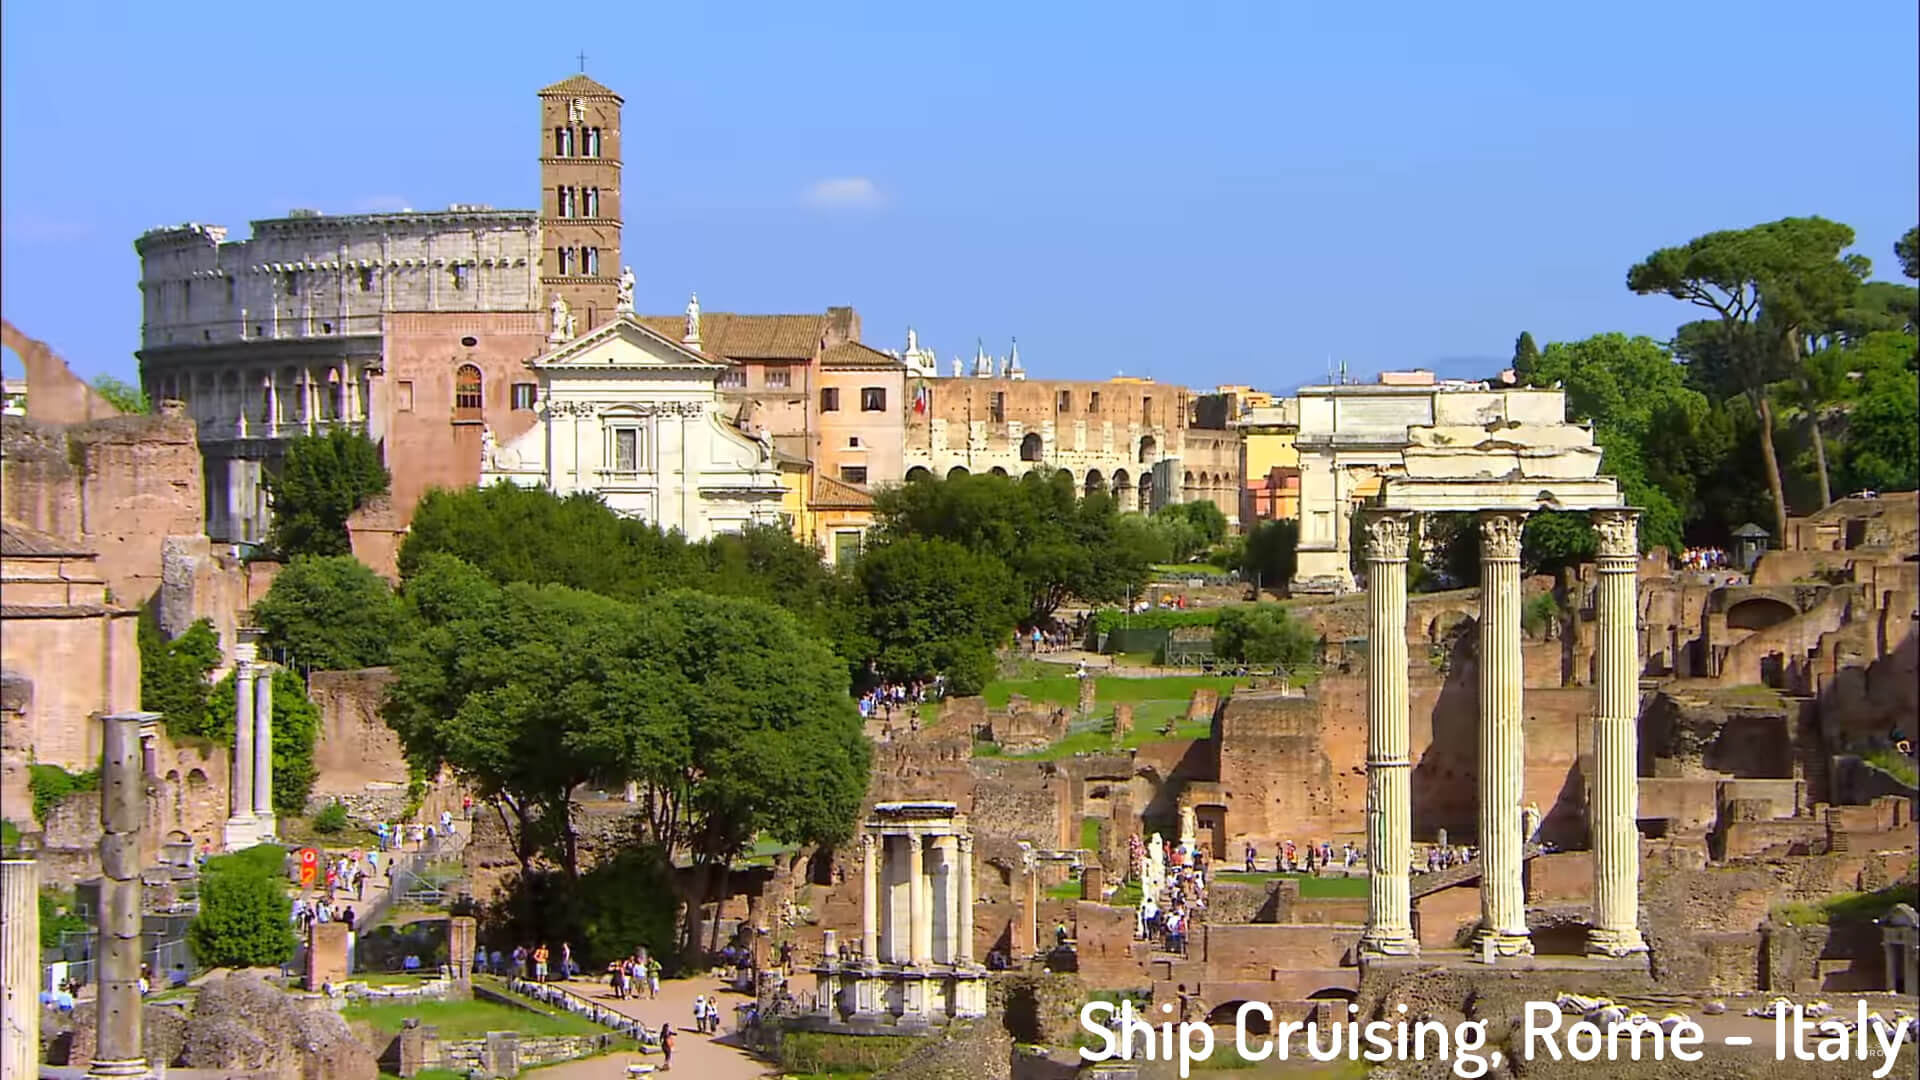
915	962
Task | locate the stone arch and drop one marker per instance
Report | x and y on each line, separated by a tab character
196	777
1146	492
1095	482
1229	1014
1062	476
997	471
1149	449
957	471
1332	993
173	776
1031	447
919	473
1758	613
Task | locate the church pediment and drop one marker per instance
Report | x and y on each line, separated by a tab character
625	344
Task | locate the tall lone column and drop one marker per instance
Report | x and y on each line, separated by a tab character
966	900
123	811
242	829
1503	904
1389	783
1616	751
870	900
918	932
19	970
263	751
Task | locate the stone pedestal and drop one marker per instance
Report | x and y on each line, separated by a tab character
462	935
1616	753
1093	881
1502	759
326	954
118	1049
1389	768
19	970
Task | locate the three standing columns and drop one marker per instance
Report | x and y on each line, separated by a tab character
1389	767
1616	795
1502	764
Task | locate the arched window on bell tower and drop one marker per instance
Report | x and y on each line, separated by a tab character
467	393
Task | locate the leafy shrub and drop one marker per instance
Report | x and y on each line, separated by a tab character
1107	620
1264	634
51	783
332	819
1540	609
244	911
57	917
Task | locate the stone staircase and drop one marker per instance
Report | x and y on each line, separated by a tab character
1424	884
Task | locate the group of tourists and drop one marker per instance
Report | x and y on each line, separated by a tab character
885	698
348	873
706	1014
1173	889
635	976
320	910
1705	558
1288	858
1446	856
1056	636
537	963
416	834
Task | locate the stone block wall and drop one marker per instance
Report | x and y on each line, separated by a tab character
355	749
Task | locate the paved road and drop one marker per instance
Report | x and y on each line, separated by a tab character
707	1057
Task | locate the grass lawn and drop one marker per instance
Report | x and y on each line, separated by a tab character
1311	888
1895	762
460	1019
1848	906
1065	689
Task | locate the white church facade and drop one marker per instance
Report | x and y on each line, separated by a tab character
637	417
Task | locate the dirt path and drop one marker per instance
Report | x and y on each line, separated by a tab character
708	1057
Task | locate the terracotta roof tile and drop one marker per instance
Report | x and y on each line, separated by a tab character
793	338
18	541
577	84
852	354
840	495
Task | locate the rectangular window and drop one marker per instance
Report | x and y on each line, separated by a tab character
846	546
1093	402
873	399
734	378
592	200
366	279
592	140
629	450
830	399
403	396
524	395
1063	401
590	263
1146	412
565	258
293	283
997	407
562	142
778	377
853	474
460	274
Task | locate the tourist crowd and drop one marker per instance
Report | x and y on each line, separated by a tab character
883	699
1704	558
1315	857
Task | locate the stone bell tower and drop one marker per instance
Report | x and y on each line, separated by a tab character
579	202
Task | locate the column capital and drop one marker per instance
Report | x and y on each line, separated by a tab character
1387	532
1500	534
1618	533
966	843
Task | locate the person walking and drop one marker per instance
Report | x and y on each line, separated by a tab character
653	977
540	956
666	1044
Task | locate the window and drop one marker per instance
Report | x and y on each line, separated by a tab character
293	283
628	450
563	202
873	399
846	546
778	377
590	264
734	378
1093	402
562	142
366	279
467	395
590	202
565	255
460	276
1031	447
403	395
524	395
997	407
1063	401
853	442
1146	412
326	328
830	399
853	474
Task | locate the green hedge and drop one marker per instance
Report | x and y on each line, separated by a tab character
51	783
1107	620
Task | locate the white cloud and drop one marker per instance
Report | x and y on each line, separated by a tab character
382	204
849	191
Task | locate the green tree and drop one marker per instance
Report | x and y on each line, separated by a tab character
173	674
1206	520
321	481
1525	356
1882	447
1272	554
296	727
1766	286
933	607
1264	634
330	612
1907	250
124	396
245	917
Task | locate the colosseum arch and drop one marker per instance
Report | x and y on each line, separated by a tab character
1095	482
1149	449
956	472
918	473
1031	447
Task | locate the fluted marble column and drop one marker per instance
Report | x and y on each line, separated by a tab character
19	969
118	1048
919	930
966	900
946	855
242	829
1616	752
1389	783
870	900
1503	906
263	751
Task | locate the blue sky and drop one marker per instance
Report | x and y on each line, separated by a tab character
1201	192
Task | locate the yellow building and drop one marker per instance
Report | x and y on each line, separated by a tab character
1248	397
842	513
1269	460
